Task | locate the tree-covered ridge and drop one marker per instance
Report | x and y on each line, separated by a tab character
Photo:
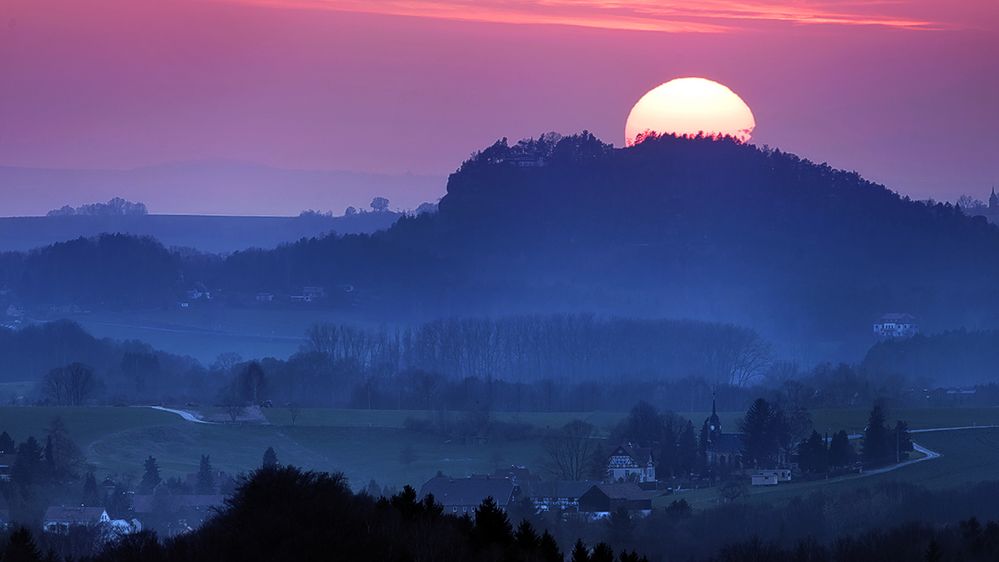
696	228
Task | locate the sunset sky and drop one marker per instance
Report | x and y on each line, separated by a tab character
904	91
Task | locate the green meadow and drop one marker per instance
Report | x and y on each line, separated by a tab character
367	444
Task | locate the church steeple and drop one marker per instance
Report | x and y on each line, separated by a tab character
993	199
714	423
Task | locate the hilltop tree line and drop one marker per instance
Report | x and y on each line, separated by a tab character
672	227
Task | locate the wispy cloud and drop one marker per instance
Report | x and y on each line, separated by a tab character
671	16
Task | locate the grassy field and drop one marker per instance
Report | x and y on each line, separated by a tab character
366	444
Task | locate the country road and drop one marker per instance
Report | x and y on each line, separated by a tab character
182	413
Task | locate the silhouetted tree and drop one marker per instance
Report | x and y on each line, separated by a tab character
150	476
206	476
878	447
569	450
270	458
840	451
6	444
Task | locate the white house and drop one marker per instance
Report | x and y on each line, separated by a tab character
628	463
896	325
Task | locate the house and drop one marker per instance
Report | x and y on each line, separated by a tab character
722	449
461	496
628	463
781	474
764	479
556	495
895	325
176	514
602	499
59	519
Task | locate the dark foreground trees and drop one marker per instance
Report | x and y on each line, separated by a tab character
286	514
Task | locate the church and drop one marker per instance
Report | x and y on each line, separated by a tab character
721	449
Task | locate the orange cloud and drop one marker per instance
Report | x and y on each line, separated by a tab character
671	16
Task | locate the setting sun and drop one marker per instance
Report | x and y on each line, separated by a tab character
688	106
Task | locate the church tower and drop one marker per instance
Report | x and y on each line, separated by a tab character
714	423
994	200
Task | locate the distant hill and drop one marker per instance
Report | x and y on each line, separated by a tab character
216	234
211	187
710	230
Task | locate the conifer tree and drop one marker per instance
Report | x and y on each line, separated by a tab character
270	458
206	477
150	476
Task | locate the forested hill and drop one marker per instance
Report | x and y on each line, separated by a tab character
713	230
673	227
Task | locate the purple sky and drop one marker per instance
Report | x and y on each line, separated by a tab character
905	92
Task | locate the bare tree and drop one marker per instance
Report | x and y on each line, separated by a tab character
233	403
71	385
294	409
570	450
226	361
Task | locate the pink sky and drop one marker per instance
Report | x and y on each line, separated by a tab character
905	92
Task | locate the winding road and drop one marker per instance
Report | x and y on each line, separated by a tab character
182	413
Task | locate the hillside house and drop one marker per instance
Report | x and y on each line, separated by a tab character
461	496
895	325
556	495
628	463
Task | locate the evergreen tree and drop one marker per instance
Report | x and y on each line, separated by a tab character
21	548
206	477
840	450
28	464
91	495
526	539
686	450
878	447
6	444
760	433
602	553
812	454
150	476
271	459
580	553
491	525
548	549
